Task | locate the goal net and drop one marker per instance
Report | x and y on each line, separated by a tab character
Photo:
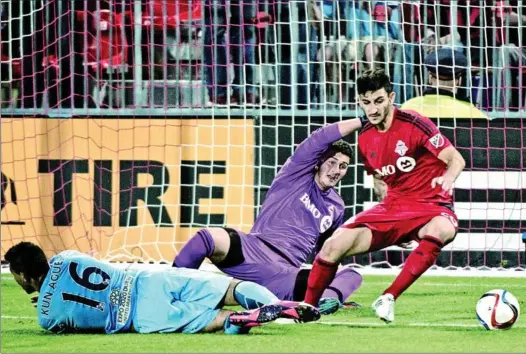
126	126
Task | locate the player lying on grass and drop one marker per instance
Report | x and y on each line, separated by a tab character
414	169
78	293
300	209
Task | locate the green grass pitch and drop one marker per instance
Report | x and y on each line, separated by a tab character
435	315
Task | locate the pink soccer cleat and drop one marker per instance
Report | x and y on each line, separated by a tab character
298	312
257	317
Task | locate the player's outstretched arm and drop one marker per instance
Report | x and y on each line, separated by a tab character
455	164
311	149
348	126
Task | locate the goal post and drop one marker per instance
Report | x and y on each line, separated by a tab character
113	143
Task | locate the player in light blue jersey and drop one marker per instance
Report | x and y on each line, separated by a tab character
78	293
301	209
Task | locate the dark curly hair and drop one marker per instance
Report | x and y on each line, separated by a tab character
373	80
343	147
336	147
27	258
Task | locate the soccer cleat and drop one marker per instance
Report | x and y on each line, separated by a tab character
300	312
384	307
257	317
329	305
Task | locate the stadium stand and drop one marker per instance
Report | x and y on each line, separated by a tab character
139	78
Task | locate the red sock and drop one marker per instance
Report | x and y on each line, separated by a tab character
320	277
423	257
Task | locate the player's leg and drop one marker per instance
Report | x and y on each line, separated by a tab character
433	236
231	322
195	317
344	241
212	243
251	260
241	322
346	282
220	322
248	295
252	296
439	231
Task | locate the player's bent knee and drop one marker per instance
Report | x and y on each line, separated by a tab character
448	234
331	250
221	243
441	228
234	253
363	240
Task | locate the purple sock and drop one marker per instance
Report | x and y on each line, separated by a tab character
199	247
346	282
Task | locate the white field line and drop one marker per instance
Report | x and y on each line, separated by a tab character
410	324
348	323
460	284
19	317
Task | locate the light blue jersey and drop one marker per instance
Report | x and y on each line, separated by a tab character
82	293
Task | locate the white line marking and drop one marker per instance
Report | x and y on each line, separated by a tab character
411	324
462	284
351	324
19	317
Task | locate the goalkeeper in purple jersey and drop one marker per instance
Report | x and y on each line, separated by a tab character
300	209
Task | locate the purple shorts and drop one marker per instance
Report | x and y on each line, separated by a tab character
263	266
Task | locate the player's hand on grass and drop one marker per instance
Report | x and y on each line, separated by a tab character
447	183
34	300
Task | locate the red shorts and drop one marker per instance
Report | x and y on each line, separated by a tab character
396	222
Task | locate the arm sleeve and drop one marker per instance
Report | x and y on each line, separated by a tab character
431	138
311	149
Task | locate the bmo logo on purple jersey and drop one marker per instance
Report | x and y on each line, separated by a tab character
403	164
326	221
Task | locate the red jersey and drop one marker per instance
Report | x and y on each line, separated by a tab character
405	157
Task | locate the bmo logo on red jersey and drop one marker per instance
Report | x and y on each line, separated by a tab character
403	164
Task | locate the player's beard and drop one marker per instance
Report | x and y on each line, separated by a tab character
382	116
385	113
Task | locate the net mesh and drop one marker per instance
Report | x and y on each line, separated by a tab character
129	125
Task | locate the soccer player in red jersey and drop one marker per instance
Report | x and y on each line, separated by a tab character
414	169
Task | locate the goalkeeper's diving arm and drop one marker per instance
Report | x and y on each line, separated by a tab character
348	126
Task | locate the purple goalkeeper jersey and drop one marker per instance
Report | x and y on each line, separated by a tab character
296	211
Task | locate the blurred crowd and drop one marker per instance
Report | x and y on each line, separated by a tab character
283	54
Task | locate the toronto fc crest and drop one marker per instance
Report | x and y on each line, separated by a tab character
401	149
